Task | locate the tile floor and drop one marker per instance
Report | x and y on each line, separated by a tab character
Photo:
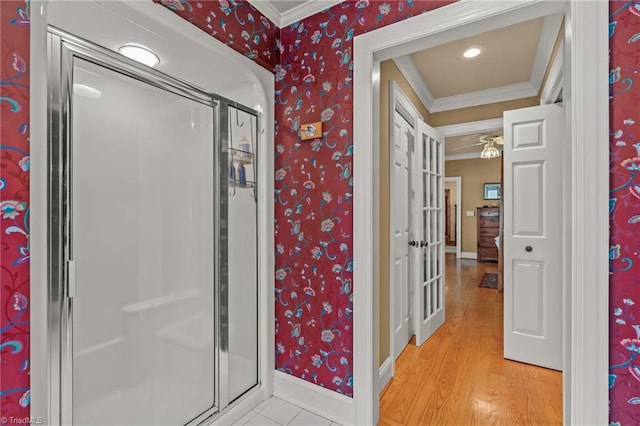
277	412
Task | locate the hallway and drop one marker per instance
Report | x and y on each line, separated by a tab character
459	377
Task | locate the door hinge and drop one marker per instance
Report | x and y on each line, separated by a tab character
71	279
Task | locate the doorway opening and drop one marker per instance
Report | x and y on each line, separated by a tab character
472	150
373	48
453	214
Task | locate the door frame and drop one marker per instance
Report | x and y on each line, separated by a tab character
458	181
585	179
397	100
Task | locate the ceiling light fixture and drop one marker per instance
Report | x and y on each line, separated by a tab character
489	151
471	53
139	53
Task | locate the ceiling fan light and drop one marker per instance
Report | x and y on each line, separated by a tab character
489	151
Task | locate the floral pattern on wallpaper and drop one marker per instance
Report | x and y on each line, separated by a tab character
14	210
624	207
234	22
313	183
314	189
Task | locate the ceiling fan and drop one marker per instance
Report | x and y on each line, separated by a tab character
489	141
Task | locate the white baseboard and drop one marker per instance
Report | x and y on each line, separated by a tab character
323	402
450	249
469	255
386	373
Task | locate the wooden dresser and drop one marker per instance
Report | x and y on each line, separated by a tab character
488	230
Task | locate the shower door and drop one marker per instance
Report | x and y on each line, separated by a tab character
134	241
239	242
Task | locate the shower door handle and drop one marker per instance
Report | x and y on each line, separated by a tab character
71	279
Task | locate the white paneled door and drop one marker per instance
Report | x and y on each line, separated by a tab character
402	139
427	226
533	235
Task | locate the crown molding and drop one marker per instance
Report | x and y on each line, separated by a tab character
548	37
554	83
483	97
268	10
467	156
410	72
281	20
310	8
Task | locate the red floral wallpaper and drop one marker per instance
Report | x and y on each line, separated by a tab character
313	184
313	189
14	211
234	22
624	207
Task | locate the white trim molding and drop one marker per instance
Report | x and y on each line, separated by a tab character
490	125
386	373
466	156
323	402
548	35
268	10
398	100
484	97
553	84
587	54
303	10
585	325
410	72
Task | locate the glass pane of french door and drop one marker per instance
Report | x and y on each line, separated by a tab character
432	179
143	242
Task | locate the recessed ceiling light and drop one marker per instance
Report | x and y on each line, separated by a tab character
140	53
471	53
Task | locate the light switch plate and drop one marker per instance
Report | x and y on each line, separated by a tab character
471	213
311	131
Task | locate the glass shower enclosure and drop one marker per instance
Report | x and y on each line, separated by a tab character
153	243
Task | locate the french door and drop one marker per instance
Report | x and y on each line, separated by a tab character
427	220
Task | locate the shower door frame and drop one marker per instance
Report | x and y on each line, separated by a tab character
62	48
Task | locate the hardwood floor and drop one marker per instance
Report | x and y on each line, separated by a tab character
459	377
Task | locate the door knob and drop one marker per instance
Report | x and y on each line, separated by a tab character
529	248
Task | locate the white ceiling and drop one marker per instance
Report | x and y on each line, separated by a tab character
507	57
511	66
